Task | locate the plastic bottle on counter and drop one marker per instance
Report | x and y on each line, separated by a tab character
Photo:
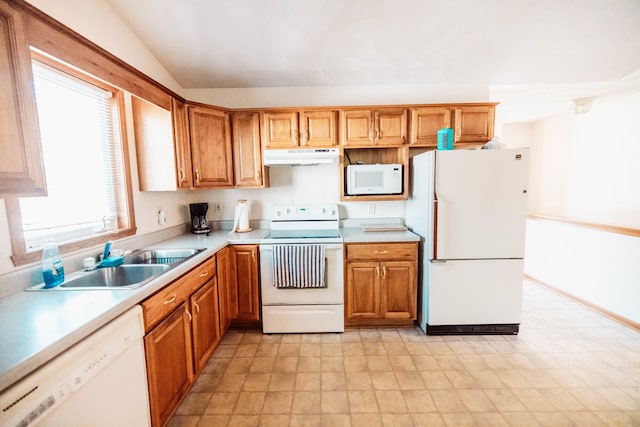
52	268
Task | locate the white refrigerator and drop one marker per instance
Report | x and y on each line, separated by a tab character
469	207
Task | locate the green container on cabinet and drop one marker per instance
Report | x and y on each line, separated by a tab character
445	139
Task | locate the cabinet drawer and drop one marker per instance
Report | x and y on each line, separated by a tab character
162	303
382	251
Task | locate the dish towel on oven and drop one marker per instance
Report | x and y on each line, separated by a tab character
298	266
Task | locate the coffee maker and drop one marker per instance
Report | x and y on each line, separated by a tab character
198	218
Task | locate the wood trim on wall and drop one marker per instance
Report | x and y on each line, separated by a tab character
628	231
610	314
54	38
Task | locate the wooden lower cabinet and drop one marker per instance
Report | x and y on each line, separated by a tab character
381	284
205	325
363	290
227	288
398	290
247	278
169	364
182	331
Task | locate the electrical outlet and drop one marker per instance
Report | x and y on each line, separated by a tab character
217	208
162	217
371	209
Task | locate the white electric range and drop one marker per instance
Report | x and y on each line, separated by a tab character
301	270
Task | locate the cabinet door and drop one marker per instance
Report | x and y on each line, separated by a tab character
280	130
21	166
247	161
155	151
210	147
425	123
181	142
356	128
398	289
474	124
391	126
205	325
318	128
227	290
169	364
247	291
363	290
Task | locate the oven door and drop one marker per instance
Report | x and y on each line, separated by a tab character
333	293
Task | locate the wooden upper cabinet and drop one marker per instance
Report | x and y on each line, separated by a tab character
280	130
318	128
356	127
383	127
474	124
162	145
211	152
309	128
154	146
425	124
181	142
247	153
21	165
390	126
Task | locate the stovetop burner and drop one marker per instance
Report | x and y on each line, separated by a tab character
309	223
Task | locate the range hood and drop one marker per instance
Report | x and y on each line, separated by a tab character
301	156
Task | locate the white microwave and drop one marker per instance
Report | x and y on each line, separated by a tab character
374	179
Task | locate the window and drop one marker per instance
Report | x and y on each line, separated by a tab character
87	200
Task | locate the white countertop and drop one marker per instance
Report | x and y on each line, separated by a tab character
357	235
39	325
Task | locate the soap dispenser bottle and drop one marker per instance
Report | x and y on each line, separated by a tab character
52	268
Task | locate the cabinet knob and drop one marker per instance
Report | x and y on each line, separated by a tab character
170	300
380	252
204	273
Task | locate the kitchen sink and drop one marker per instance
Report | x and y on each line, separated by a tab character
160	256
137	269
123	276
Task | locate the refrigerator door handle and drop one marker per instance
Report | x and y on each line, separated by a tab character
435	226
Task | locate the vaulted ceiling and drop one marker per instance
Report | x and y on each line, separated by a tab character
288	43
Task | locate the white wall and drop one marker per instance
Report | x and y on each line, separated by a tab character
96	20
338	96
585	167
599	267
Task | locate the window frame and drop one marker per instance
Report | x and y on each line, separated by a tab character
126	217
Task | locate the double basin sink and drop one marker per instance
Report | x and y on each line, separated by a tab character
137	269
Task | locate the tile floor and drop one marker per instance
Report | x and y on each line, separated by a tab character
569	366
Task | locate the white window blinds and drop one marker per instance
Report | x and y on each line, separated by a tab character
82	153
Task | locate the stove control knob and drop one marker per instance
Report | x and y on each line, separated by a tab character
323	210
278	213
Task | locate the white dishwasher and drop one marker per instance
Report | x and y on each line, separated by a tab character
100	381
